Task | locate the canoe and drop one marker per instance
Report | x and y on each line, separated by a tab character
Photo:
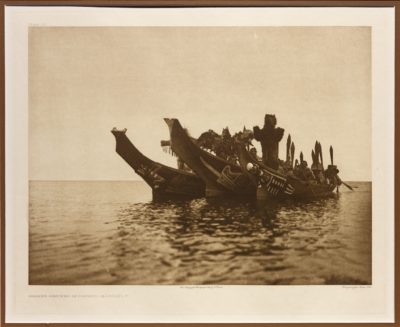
274	184
165	182
222	178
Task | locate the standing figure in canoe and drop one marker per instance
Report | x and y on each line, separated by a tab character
269	137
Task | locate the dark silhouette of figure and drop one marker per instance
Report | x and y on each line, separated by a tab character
269	137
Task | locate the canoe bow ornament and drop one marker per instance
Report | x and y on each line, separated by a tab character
165	182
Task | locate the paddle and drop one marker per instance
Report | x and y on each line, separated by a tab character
301	157
348	186
331	153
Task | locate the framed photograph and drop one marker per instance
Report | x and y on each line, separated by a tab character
273	200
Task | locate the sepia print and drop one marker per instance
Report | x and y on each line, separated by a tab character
265	177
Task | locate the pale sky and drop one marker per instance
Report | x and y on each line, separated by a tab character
85	81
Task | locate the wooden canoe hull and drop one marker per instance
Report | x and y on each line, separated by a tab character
302	192
220	176
272	184
165	182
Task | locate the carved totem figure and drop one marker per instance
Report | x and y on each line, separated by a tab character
269	137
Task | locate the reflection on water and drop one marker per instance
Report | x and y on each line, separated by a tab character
106	237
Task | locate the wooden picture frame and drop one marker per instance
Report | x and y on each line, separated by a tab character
203	318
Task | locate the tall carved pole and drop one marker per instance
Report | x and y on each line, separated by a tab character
269	137
288	143
313	158
320	154
292	148
316	152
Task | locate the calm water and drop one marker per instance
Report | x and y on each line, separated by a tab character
111	233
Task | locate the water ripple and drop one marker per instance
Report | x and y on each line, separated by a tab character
92	233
